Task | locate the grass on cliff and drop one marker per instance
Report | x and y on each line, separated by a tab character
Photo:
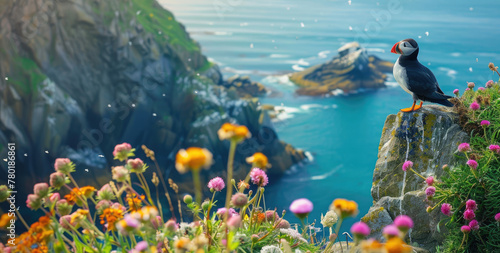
29	78
482	184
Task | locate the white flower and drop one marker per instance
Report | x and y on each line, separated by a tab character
293	233
329	219
271	249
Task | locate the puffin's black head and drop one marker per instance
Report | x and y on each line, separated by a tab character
405	47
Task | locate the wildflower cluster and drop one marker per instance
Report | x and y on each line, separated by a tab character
467	195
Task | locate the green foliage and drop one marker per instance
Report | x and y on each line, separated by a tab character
27	75
483	184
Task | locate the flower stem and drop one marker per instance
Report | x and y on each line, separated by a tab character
197	186
232	150
160	175
417	174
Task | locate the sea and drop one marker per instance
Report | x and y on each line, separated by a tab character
268	39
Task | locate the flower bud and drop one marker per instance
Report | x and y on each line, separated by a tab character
205	205
57	180
41	190
63	207
239	200
188	199
4	193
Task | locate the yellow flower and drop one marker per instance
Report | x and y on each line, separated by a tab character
151	15
134	202
111	215
344	208
78	216
193	158
146	213
396	245
233	132
5	220
371	246
258	160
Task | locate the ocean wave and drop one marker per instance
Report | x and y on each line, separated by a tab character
379	50
296	67
455	54
392	84
324	54
308	107
449	72
281	79
279	56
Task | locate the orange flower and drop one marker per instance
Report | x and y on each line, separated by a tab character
396	245
243	184
37	237
371	246
344	208
193	158
78	216
233	132
258	160
110	216
77	195
5	220
134	202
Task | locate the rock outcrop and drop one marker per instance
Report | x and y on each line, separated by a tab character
78	77
350	71
428	137
245	87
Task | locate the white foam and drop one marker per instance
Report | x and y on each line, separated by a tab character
223	33
279	56
308	107
449	72
392	84
455	54
380	50
337	92
282	79
324	54
296	67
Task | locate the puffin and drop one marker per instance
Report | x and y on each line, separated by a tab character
415	78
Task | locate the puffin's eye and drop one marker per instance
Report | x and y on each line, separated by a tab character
404	44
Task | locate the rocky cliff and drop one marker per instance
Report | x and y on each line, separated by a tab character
349	71
429	138
79	76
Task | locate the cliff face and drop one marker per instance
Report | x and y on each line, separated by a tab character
429	138
79	76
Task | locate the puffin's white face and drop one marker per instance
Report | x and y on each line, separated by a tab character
404	48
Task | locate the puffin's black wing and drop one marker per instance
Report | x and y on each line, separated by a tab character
423	83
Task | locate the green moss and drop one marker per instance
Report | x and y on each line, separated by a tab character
26	75
156	19
372	216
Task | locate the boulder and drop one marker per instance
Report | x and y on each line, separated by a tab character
429	138
348	72
245	88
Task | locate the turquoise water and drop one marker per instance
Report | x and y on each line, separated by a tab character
266	39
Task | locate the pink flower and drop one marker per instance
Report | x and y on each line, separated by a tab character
472	164
497	217
430	180
135	165
471	205
430	191
407	165
239	199
474	225
469	214
467	89
271	215
120	173
489	84
33	202
122	151
403	222
456	92
234	221
485	123
360	228
171	225
391	231
41	189
475	106
481	88
301	207
471	85
495	148
141	246
465	229
63	165
216	184
464	147
446	209
65	222
57	180
259	177
222	211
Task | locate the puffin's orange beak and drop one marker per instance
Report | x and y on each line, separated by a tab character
395	49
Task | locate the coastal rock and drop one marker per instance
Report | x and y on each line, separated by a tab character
429	138
245	88
79	77
349	71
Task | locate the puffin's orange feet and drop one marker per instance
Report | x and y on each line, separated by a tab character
413	108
